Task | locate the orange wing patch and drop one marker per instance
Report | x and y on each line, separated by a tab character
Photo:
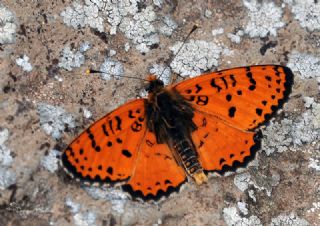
243	97
107	150
222	147
156	173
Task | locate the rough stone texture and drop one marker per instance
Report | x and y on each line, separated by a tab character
47	99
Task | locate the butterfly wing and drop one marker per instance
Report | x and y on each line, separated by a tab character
156	173
107	150
243	97
222	147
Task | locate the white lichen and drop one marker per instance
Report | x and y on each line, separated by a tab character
242	181
82	216
70	59
85	46
288	220
169	25
234	38
232	218
74	207
307	12
242	206
140	29
54	120
5	153
137	25
264	18
7	26
307	65
163	71
208	13
259	181
290	134
87	218
217	31
7	176
23	62
158	3
126	47
251	194
277	136
78	15
117	11
51	162
308	101
87	113
195	57
315	207
117	198
111	69
314	164
112	53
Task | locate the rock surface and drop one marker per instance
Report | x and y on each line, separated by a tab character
45	99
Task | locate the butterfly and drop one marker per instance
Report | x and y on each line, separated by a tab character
210	123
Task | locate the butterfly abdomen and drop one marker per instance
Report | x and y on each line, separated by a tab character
187	155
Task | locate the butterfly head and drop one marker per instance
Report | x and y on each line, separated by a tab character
154	84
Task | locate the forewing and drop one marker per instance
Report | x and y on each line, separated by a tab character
244	97
222	147
156	173
107	150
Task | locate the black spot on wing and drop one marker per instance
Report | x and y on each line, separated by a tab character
233	80
118	119
111	126
110	170
126	153
224	82
268	78
232	112
214	85
97	149
167	182
252	81
104	129
198	88
259	111
222	160
130	115
228	97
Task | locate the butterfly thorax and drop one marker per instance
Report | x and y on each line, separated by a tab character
169	117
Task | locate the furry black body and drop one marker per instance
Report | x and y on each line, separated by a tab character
169	117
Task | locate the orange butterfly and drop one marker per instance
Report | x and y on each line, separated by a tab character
204	124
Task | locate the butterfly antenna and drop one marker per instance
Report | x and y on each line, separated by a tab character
91	71
195	27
